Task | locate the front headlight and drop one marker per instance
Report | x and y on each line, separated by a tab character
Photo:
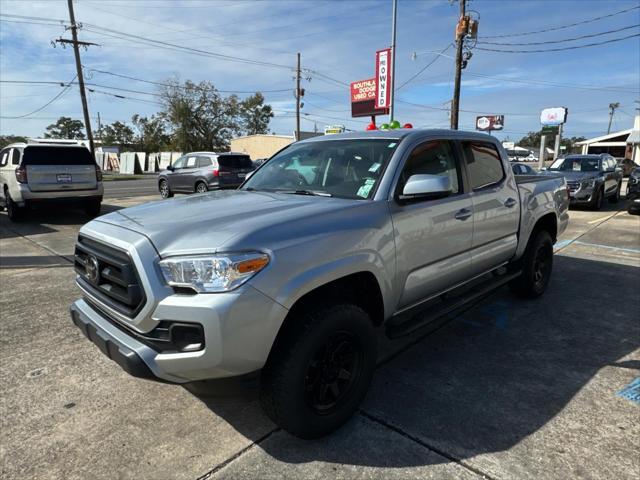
212	273
589	183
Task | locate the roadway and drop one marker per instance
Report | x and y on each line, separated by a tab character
131	188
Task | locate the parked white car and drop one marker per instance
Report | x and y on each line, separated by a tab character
48	171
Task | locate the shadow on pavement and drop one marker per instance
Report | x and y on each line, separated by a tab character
491	377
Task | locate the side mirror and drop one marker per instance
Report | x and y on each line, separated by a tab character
425	187
543	169
171	168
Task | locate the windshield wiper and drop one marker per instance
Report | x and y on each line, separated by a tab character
307	192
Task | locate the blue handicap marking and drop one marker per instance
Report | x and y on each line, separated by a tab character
496	311
631	391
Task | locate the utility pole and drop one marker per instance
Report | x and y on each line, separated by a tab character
297	99
393	59
76	50
99	127
556	147
612	109
460	34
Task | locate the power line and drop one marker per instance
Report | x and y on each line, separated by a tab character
552	29
425	67
563	40
60	94
560	49
554	84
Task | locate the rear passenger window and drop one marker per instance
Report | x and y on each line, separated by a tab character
483	164
204	162
432	158
15	157
4	158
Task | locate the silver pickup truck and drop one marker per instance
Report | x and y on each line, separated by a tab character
289	277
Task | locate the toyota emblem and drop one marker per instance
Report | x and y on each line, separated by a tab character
92	269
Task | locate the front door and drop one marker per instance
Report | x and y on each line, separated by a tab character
186	176
433	237
496	215
174	174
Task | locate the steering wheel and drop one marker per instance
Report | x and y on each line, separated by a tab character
295	177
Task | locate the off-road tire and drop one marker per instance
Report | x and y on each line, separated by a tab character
536	265
92	208
286	385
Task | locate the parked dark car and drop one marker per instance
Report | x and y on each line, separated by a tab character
590	178
203	171
522	169
627	165
634	207
633	184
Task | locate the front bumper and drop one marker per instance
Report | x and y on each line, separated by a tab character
581	196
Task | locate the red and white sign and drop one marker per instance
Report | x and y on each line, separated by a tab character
383	78
363	90
553	116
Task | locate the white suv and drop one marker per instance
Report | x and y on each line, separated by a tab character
48	171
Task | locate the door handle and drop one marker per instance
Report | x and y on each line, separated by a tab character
510	203
463	214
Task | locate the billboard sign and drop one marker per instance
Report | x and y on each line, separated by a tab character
363	99
383	78
553	116
333	129
490	122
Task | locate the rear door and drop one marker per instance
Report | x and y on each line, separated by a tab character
59	168
496	212
232	169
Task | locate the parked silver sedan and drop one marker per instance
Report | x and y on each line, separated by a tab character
203	171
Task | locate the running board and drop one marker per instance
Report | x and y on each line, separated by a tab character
425	315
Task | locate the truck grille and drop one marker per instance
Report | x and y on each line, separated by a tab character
573	186
109	275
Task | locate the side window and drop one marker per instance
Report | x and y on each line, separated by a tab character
483	164
179	163
191	162
432	158
4	158
204	162
15	156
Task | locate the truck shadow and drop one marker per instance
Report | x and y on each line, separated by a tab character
487	379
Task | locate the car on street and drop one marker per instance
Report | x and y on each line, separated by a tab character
590	178
633	183
48	171
203	171
522	169
627	165
289	277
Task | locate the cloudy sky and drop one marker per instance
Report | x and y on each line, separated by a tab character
248	45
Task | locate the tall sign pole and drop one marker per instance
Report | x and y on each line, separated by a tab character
393	60
460	34
298	99
83	95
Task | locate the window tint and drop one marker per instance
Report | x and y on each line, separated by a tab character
15	156
191	162
483	164
4	157
204	162
42	155
235	161
432	158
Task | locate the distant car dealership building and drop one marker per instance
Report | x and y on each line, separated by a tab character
622	144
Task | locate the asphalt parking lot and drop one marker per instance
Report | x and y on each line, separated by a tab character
507	389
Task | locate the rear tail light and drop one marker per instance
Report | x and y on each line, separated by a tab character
21	175
216	172
98	174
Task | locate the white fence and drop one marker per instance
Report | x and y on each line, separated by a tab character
136	162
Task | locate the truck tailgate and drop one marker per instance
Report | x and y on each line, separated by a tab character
46	178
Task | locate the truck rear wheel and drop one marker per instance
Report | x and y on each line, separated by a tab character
320	370
14	212
536	265
92	208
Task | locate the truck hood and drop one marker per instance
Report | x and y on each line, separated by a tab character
210	222
569	175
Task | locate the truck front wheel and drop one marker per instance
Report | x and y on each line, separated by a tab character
536	265
320	370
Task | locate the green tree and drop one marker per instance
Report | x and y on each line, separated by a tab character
151	133
8	139
118	133
532	140
66	127
255	115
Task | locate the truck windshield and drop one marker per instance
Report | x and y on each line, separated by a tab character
338	168
576	164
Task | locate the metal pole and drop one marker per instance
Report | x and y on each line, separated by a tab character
543	141
393	59
556	147
298	99
612	109
455	103
83	95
